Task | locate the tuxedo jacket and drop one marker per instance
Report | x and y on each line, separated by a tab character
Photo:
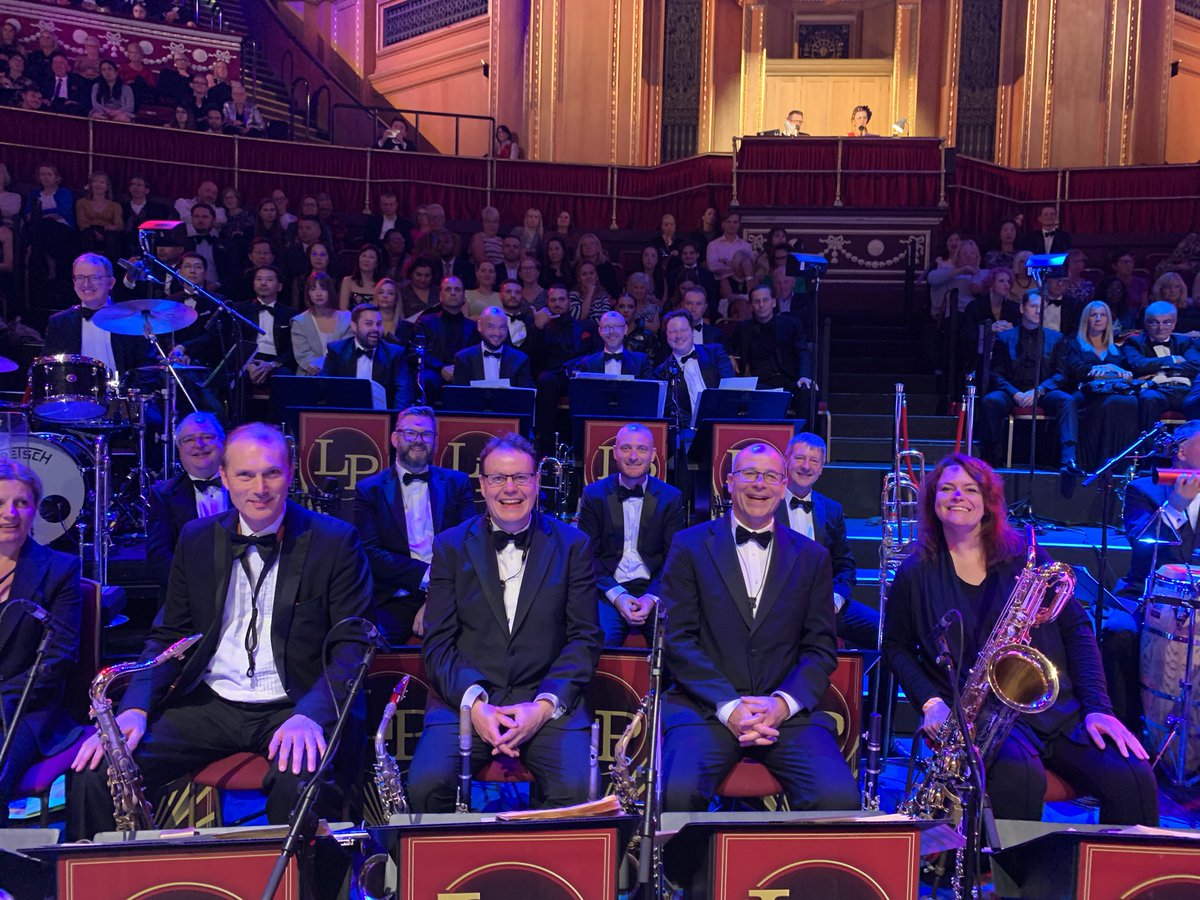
64	334
714	365
322	578
710	334
171	505
602	519
458	267
514	365
563	340
1035	242
635	364
379	518
51	580
282	314
79	89
555	640
1140	358
717	652
225	259
829	530
1008	352
444	338
389	367
374	225
1142	499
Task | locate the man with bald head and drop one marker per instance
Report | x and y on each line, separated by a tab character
447	330
492	358
1167	361
751	645
615	359
207	193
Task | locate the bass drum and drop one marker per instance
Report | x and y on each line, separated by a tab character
63	463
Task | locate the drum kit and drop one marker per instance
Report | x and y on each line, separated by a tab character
1168	670
77	408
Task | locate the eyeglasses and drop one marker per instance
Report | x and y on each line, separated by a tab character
90	279
750	476
410	434
192	439
521	479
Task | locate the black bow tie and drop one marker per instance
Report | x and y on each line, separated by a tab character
501	539
203	239
804	504
265	307
610	357
87	312
698	328
410	477
624	493
206	484
762	538
495	354
243	542
693	355
360	352
514	317
1050	233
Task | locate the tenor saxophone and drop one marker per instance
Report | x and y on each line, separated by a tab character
131	810
387	773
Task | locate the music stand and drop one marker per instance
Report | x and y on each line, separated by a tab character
290	393
510	401
718	405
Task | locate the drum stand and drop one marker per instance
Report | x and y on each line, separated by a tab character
169	406
1180	721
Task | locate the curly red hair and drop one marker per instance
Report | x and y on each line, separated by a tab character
1000	540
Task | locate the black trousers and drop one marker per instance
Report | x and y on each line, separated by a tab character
805	761
23	752
858	625
1156	400
994	409
613	624
1016	778
556	757
395	616
193	732
1109	425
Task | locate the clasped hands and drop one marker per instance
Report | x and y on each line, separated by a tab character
506	728
755	721
635	610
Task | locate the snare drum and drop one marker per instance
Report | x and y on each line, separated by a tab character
63	463
1164	659
67	388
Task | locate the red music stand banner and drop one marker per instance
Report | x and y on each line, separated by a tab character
461	438
559	864
848	863
345	446
598	438
730	437
1137	871
843	701
195	871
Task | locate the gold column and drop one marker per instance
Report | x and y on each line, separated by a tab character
948	119
905	57
754	65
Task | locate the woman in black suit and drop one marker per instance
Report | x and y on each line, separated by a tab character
968	559
29	571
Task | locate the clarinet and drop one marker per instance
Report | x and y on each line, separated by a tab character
648	855
131	810
463	802
387	773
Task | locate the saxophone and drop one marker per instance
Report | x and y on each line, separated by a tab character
132	811
387	773
1009	678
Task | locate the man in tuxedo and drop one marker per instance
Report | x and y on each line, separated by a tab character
614	359
267	583
203	239
194	493
447	330
398	511
295	255
819	517
72	331
695	301
509	267
366	355
691	268
773	347
700	368
750	643
492	358
65	90
631	518
273	348
1168	362
389	217
521	326
511	634
1049	238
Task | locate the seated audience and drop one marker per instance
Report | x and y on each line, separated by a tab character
487	244
720	252
638	337
505	146
1048	238
241	115
110	98
49	214
182	119
590	250
530	233
589	300
484	293
492	359
417	296
99	217
1125	293
446	331
367	355
773	348
66	91
556	268
320	325
360	286
396	136
1166	364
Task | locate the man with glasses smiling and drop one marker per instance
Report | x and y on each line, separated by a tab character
72	330
751	645
398	512
511	635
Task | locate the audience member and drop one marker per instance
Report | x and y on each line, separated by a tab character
267	225
15	79
484	293
961	280
396	329
707	230
49	213
367	355
530	233
360	286
175	81
134	72
220	89
589	300
734	288
204	239
241	115
239	221
1080	289
396	136
208	194
99	217
986	316
667	242
182	119
773	348
38	61
447	331
638	337
87	64
510	258
416	297
395	254
212	123
530	281
197	102
487	244
1165	363
691	270
1049	238
66	91
505	145
720	252
286	219
1000	255
520	319
10	201
446	258
389	218
556	268
695	302
1124	292
590	250
320	325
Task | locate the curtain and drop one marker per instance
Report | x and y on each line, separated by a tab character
793	172
1133	200
891	172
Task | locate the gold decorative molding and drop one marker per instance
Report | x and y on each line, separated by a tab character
636	87
615	83
868	67
1048	109
953	50
1132	54
1028	87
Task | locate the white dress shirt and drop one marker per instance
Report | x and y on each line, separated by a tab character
385	226
801	521
755	563
210	501
363	365
1177	518
631	566
227	671
693	378
612	366
491	364
698	335
418	519
266	321
97	343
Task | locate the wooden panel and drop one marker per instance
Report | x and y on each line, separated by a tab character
1183	125
827	92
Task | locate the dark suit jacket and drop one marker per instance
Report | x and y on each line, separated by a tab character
374	225
716	652
1008	352
1142	499
601	519
226	259
79	89
64	334
51	580
563	340
635	364
555	640
389	367
1035	243
171	505
514	365
379	517
323	578
1141	360
714	365
282	314
443	338
829	529
460	268
711	335
792	357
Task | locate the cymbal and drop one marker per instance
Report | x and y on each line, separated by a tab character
7	365
132	316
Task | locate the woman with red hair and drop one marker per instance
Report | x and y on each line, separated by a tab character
966	562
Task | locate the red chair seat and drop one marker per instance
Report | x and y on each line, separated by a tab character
237	772
1058	790
749	779
38	778
505	769
1019	412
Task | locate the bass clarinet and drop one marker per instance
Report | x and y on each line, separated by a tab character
387	773
131	810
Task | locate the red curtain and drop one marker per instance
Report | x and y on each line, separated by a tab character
684	188
174	161
891	172
1141	200
30	139
792	172
984	195
581	190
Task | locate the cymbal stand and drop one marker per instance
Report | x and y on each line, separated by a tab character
170	401
1180	720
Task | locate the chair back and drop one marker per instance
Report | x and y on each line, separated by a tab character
80	679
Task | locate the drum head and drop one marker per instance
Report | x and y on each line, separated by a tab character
60	461
67	388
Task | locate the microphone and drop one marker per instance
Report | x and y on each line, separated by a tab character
136	272
41	614
938	635
330	486
376	638
862	129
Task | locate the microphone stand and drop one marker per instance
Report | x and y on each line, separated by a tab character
303	818
1104	474
647	852
42	649
674	377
